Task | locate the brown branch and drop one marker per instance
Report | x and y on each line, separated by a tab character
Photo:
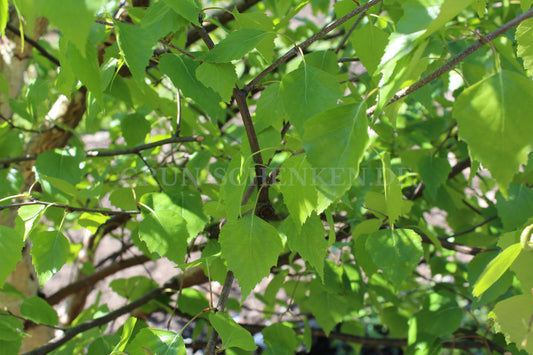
449	65
193	276
68	208
204	35
90	280
110	153
254	83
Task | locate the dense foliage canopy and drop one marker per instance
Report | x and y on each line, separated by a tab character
360	170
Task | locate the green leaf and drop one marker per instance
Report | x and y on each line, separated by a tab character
164	226
182	71
268	111
4	14
64	164
192	301
448	10
232	334
189	9
135	128
393	191
233	186
524	38
254	20
161	20
127	332
491	120
11	333
328	307
220	77
299	194
522	267
308	91
323	60
396	252
11	244
440	322
434	172
514	210
49	253
39	311
281	337
85	66
251	247
369	43
513	317
496	268
309	242
234	46
135	44
73	18
157	341
342	132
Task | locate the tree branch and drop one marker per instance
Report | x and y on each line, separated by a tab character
192	276
90	280
212	342
68	208
446	67
110	153
254	83
35	45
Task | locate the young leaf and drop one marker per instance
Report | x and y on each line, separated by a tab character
496	268
39	311
251	247
306	92
524	37
189	9
232	334
220	77
234	46
11	244
309	242
396	252
297	188
512	317
49	253
434	172
328	307
64	164
163	228
491	120
73	18
342	132
181	70
158	341
135	44
369	43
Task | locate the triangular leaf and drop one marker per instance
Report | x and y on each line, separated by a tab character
220	77
182	71
189	9
135	44
306	92
492	121
232	334
342	132
251	247
49	253
234	46
513	318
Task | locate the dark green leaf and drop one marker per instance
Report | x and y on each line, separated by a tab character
234	46
232	334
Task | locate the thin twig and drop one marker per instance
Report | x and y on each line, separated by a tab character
205	36
446	67
35	45
292	52
111	153
68	208
350	31
212	342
